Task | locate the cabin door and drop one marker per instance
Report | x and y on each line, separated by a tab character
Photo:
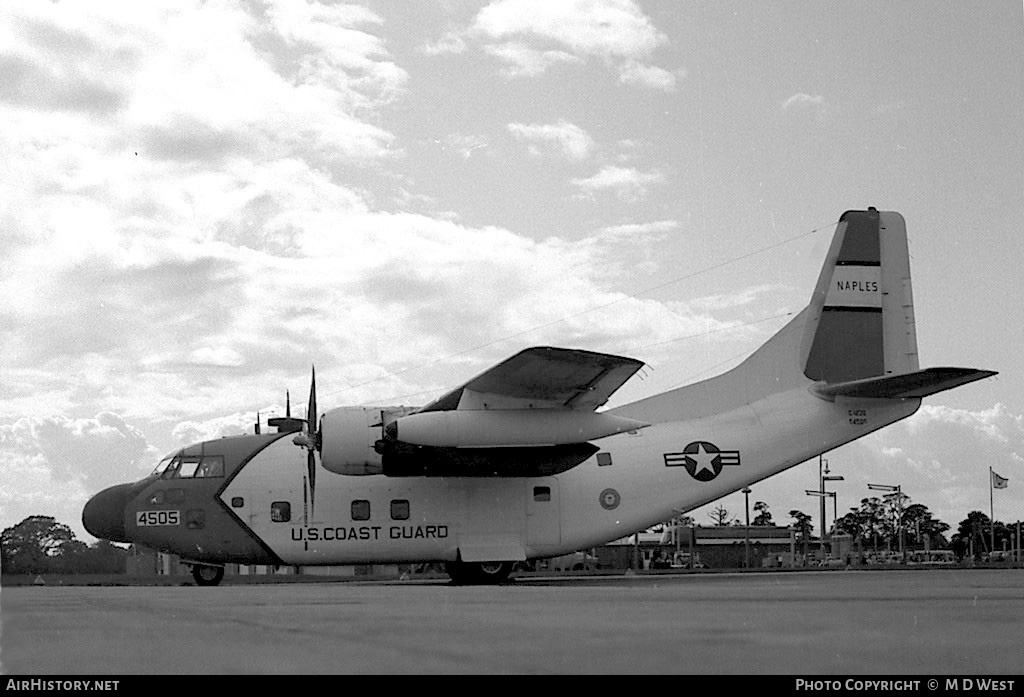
543	512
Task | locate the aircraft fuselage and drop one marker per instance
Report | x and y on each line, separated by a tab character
262	510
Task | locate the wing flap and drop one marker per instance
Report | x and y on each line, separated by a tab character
917	384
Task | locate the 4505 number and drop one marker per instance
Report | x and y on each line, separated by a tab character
157	518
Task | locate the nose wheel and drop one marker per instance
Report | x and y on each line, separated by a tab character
207	575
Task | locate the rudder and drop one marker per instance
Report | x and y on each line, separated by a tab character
861	316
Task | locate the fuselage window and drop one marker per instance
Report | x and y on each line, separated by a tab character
237	502
360	510
604	459
541	493
157	497
280	511
399	509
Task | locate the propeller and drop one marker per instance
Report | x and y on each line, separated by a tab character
310	439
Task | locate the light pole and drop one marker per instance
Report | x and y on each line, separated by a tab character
822	495
746	529
894	488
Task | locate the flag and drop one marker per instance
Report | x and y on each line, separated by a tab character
999	482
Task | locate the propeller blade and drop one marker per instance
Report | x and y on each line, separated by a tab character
313	438
311	415
311	467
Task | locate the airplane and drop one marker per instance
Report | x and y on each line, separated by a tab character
520	462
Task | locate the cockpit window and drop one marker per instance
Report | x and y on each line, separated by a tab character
211	466
171	470
194	467
163	463
188	467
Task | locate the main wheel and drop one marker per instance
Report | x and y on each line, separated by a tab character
207	575
478	573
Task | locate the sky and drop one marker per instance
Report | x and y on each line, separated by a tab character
200	200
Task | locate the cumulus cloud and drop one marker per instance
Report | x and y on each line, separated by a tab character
51	465
609	28
521	33
570	139
803	100
997	423
656	229
950	450
100	450
217	355
237	424
628	183
651	76
523	61
452	42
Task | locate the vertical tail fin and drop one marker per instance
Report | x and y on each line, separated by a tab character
859	326
861	316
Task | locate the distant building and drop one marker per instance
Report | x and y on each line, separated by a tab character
719	547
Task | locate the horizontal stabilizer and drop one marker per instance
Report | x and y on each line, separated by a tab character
918	384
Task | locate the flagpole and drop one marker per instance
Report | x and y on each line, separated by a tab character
991	512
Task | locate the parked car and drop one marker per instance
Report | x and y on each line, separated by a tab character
681	560
577	561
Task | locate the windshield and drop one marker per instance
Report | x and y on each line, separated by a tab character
163	463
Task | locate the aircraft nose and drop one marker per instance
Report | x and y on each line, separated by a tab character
103	515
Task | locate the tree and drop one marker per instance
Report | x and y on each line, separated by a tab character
975	532
36	545
972	534
921	527
893	505
874	520
720	515
763	517
102	557
802	523
39	545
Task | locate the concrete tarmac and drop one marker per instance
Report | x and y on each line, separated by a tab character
933	622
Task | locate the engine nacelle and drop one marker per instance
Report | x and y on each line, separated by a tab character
348	436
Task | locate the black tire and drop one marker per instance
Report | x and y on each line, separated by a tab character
207	575
478	573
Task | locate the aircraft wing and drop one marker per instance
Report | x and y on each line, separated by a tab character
531	415
543	377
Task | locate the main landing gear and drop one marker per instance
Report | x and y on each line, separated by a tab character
479	573
207	575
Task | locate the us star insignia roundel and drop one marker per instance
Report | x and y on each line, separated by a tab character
703	460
